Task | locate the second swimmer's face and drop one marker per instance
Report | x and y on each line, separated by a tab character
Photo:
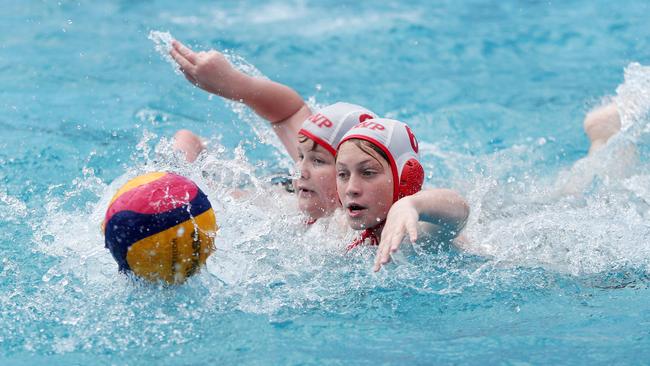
316	185
365	184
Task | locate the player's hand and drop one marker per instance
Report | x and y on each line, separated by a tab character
209	70
402	220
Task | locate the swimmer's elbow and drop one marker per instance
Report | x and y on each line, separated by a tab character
459	215
465	210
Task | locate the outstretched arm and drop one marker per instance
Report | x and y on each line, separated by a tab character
277	103
444	210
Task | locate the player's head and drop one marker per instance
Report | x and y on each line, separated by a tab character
317	141
377	164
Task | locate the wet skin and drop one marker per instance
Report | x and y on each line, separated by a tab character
365	185
316	186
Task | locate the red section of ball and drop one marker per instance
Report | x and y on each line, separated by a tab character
165	193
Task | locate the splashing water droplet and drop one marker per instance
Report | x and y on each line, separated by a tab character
163	45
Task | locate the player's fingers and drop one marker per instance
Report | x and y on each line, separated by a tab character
184	51
385	258
379	255
412	229
185	65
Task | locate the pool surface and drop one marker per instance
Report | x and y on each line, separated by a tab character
495	91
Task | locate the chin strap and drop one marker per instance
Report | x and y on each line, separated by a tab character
366	234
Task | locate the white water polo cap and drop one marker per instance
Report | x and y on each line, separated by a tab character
399	143
328	125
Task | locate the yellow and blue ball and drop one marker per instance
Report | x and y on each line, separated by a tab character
160	226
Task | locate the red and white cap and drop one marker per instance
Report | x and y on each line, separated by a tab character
328	125
398	142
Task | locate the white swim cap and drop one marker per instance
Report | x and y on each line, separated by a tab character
398	142
328	126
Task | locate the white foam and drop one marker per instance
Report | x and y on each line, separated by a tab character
633	97
593	219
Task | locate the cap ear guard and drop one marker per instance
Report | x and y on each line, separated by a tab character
412	178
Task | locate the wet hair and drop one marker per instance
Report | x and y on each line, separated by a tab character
368	147
302	139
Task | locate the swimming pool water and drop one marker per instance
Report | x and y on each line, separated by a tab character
496	93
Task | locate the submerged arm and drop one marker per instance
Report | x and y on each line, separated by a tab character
443	209
275	102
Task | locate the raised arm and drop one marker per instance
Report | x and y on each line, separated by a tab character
443	211
277	103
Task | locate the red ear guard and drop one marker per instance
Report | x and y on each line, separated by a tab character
411	179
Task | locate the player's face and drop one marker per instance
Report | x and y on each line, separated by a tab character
316	185
365	185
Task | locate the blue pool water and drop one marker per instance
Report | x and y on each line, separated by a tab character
496	93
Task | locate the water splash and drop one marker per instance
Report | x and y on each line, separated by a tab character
633	98
261	129
11	208
267	262
596	225
163	45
